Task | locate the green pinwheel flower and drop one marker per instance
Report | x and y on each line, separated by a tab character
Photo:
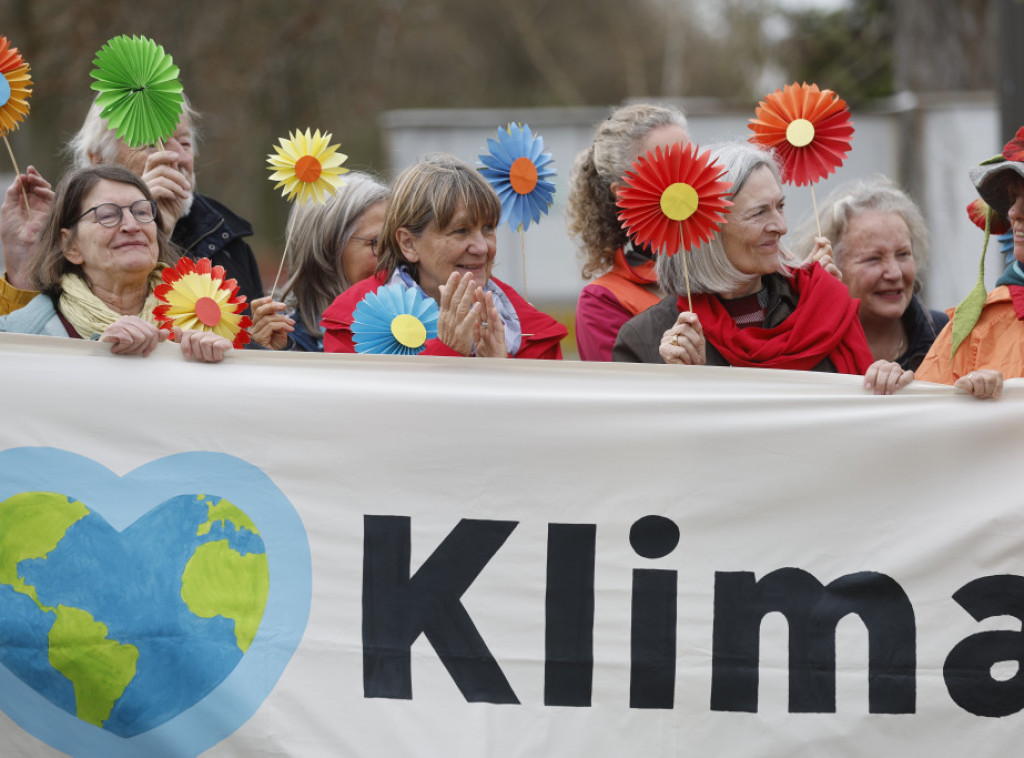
140	94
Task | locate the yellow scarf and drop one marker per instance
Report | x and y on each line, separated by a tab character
89	315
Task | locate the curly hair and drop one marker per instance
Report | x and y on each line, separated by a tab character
591	213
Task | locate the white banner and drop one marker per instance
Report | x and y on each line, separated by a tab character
307	555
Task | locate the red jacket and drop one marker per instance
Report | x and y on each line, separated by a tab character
610	301
542	335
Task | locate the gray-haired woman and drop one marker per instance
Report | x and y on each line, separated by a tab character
331	246
754	304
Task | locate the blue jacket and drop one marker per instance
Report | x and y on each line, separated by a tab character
38	317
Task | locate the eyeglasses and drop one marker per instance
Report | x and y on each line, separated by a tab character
110	214
371	241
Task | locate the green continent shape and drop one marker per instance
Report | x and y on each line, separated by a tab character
31	526
226	513
99	668
220	581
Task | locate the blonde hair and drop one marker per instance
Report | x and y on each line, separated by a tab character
432	191
591	213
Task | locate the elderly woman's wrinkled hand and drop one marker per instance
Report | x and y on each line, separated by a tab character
684	341
22	227
885	377
459	313
984	384
822	255
205	347
170	187
130	335
489	332
270	326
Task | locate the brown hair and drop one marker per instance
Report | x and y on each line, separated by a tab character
48	264
432	191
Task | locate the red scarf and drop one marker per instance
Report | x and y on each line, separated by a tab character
823	325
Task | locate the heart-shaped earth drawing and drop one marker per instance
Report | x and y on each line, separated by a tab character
131	608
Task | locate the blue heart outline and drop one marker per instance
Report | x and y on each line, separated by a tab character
122	500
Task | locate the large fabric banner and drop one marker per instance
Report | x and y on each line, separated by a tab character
307	555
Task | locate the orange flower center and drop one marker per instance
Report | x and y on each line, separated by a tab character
679	201
307	169
207	311
523	175
800	132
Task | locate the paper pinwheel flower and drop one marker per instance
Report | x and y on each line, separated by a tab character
305	165
517	167
140	94
808	128
673	200
15	87
394	320
197	296
978	211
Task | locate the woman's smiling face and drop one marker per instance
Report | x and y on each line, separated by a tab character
463	246
754	225
111	256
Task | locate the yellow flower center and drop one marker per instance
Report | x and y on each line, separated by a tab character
679	201
408	330
800	132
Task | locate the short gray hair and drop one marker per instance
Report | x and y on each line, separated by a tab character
709	267
96	138
874	194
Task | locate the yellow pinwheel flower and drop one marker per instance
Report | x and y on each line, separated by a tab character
305	165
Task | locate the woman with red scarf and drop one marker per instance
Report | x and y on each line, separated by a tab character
753	304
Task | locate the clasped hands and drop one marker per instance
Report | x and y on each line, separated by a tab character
468	321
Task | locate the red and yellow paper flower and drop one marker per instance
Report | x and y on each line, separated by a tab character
15	87
197	296
808	128
307	166
674	200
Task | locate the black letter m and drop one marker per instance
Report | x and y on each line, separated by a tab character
812	613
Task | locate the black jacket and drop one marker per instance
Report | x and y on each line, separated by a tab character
211	230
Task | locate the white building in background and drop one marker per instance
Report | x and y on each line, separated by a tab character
925	143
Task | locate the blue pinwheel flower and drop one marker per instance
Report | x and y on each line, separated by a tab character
394	320
517	167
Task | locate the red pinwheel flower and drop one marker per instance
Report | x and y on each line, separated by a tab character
673	200
808	128
979	210
1014	149
197	296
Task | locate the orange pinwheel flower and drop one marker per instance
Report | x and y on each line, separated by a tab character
809	129
15	87
673	200
195	295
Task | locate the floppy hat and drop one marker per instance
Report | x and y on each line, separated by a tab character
993	177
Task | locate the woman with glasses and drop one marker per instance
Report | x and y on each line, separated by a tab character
97	265
331	246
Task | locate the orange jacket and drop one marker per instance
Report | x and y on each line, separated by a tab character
996	341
